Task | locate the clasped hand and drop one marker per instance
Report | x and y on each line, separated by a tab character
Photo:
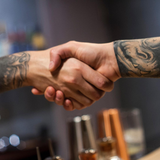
78	83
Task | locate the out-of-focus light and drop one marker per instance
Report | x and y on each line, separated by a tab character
2	144
6	140
14	140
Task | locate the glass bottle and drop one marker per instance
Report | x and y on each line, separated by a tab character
107	149
88	154
52	155
89	144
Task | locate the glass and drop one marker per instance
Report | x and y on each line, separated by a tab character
88	154
107	149
133	133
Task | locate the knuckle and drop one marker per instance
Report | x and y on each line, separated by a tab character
71	42
110	87
73	80
65	91
53	50
88	102
79	107
102	83
105	84
98	95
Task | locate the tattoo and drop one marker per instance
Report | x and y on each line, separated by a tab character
13	71
138	58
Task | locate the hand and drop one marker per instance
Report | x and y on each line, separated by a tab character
99	56
73	78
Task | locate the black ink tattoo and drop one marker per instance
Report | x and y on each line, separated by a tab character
138	58
13	71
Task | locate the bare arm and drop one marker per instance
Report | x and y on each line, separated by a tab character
138	58
123	58
13	71
73	77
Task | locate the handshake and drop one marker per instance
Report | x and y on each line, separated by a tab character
78	75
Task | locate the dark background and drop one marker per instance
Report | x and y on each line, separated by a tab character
98	21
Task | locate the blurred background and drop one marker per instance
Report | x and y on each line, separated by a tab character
26	121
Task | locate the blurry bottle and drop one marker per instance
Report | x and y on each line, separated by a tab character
29	34
75	137
82	139
106	143
4	43
38	40
110	130
107	149
104	124
89	144
117	133
88	154
13	39
54	158
38	154
52	155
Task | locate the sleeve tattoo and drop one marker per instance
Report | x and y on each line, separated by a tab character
138	58
13	71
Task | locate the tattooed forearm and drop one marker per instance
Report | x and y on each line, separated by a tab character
138	58
13	71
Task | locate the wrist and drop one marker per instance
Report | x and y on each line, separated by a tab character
39	75
37	64
113	60
111	67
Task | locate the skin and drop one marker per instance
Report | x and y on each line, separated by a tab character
124	58
13	71
139	58
89	54
73	77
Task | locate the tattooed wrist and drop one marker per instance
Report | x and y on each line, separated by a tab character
138	58
13	71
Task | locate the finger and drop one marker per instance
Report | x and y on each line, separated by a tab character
90	91
36	91
50	93
61	52
80	98
77	105
55	61
96	79
59	98
68	105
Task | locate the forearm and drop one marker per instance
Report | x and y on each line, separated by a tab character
13	71
138	58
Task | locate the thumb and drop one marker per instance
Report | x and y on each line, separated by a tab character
55	61
57	54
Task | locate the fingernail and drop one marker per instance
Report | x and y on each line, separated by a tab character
50	92
66	107
58	97
51	65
